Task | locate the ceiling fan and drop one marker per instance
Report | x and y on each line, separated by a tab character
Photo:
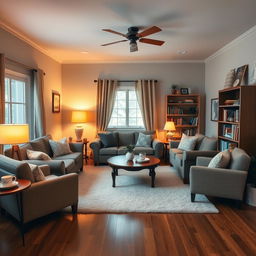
134	35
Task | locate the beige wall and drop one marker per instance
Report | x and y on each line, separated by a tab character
79	90
239	52
20	51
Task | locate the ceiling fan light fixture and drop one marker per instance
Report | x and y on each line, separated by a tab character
133	47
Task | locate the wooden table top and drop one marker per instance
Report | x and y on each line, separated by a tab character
23	184
120	161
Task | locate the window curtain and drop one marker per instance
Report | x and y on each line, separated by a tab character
106	92
2	85
37	128
145	91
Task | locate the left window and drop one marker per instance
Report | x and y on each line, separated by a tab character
16	98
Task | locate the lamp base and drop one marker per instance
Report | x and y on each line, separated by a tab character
16	149
79	133
169	136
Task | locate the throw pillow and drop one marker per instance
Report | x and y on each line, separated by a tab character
187	143
37	155
108	139
60	147
36	172
221	160
144	140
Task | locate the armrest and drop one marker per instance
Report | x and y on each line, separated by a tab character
158	147
217	182
76	147
96	144
203	161
56	166
50	195
174	144
192	155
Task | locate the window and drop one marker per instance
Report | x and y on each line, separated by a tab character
16	98
126	112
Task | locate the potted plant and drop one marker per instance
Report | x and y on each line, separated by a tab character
130	152
174	89
251	186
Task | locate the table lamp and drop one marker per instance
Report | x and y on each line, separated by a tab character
79	117
169	127
14	134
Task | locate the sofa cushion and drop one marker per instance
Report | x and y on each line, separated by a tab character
42	144
37	155
221	160
136	134
144	140
122	150
37	173
108	139
200	138
147	150
126	138
187	143
208	144
60	147
108	151
178	159
76	156
239	160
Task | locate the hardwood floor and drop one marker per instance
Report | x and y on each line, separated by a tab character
231	232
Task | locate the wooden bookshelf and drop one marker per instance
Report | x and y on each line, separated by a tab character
185	115
237	121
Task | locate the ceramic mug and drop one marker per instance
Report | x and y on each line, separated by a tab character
7	179
142	156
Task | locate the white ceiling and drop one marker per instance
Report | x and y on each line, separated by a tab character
66	28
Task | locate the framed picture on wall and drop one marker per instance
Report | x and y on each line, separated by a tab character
55	102
215	109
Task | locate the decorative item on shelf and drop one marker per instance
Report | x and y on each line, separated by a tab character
214	109
14	134
241	77
230	78
130	152
188	101
79	117
184	91
174	89
229	102
55	102
170	128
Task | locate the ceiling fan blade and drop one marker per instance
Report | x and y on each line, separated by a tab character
114	42
149	31
114	32
151	41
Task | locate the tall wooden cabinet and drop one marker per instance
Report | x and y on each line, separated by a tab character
184	111
237	118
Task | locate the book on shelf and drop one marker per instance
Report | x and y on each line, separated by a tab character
193	121
230	115
231	131
224	145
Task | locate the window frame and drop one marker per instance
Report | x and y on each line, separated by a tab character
13	75
126	127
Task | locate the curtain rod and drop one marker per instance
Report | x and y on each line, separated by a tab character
125	81
21	64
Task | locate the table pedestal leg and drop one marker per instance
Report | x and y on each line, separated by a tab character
152	173
20	209
114	174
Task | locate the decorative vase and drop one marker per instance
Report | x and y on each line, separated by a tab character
129	156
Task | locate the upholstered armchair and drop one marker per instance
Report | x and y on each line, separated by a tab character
226	183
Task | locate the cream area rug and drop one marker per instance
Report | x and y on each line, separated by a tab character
133	192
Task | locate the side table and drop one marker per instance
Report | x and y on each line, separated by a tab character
85	143
17	191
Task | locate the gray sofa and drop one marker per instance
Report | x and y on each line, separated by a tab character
101	153
62	164
226	183
182	160
41	198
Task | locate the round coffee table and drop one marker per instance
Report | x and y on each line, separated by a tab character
120	162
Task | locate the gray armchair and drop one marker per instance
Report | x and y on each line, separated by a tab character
182	160
41	198
227	183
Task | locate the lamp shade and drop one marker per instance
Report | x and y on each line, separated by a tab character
14	133
169	126
79	116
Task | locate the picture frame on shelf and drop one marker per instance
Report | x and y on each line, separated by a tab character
184	91
55	102
214	109
241	77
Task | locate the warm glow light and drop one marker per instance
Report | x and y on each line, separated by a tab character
79	116
169	126
14	133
